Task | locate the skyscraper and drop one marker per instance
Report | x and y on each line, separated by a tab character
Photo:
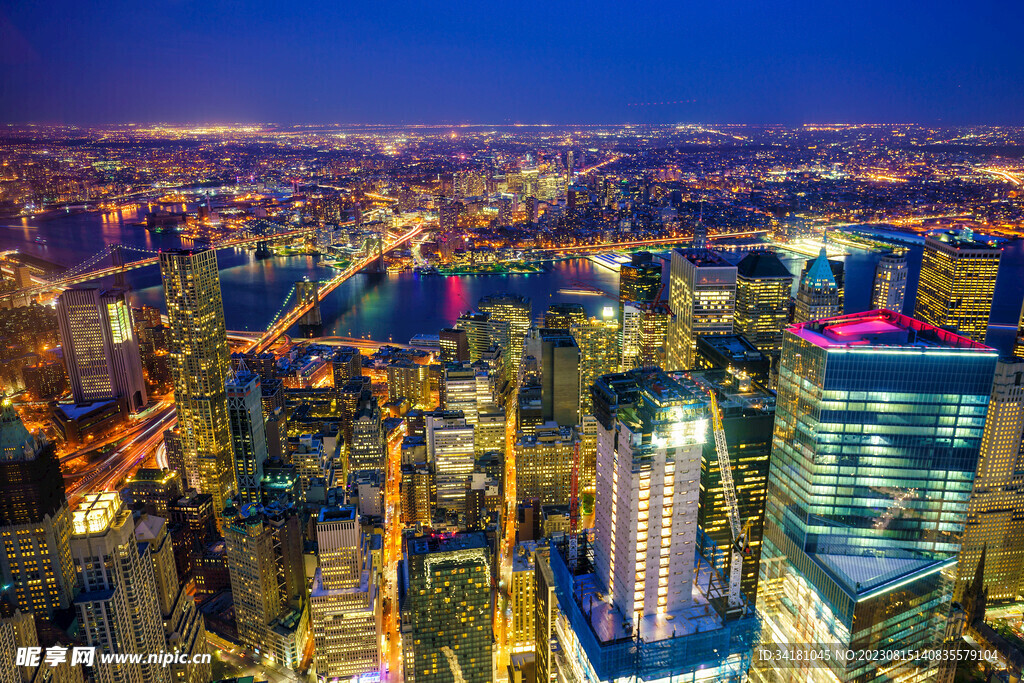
559	357
448	610
995	516
644	334
248	433
639	280
650	434
268	585
515	310
598	341
199	366
890	287
878	425
763	285
748	415
454	345
100	348
483	330
544	461
450	451
702	296
820	294
564	316
35	525
957	283
343	599
117	602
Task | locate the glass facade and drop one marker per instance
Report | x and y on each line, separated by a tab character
878	426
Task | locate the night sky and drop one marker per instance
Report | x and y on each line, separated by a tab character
744	61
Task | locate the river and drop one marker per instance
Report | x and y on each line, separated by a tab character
396	307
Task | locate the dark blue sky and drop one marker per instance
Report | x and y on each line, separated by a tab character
762	61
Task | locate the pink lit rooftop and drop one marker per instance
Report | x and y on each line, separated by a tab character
874	329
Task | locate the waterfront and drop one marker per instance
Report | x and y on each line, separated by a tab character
396	307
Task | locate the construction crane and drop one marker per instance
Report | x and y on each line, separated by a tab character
740	547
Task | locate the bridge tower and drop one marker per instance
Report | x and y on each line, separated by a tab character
117	257
263	249
310	324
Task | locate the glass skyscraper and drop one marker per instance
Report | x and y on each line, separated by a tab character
878	427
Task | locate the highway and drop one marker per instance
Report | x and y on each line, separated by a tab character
614	246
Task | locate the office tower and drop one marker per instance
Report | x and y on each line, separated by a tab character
878	426
184	628
702	296
35	525
416	507
546	609
450	451
544	463
748	415
763	285
489	433
890	287
454	345
248	434
650	435
735	353
264	555
559	358
564	316
820	294
598	341
152	490
448	609
995	516
100	348
957	283
410	381
346	364
639	280
343	599
459	390
483	330
117	594
514	310
644	334
368	450
199	366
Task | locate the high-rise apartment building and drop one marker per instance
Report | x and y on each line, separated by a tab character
515	310
763	286
199	366
248	433
650	435
639	280
890	286
820	294
368	450
644	334
100	349
117	603
35	524
343	599
448	610
702	296
879	421
957	283
598	341
995	516
544	462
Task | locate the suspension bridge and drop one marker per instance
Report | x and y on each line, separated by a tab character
92	268
288	316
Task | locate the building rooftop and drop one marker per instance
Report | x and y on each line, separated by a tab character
735	347
960	239
340	513
442	543
705	258
880	329
762	264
